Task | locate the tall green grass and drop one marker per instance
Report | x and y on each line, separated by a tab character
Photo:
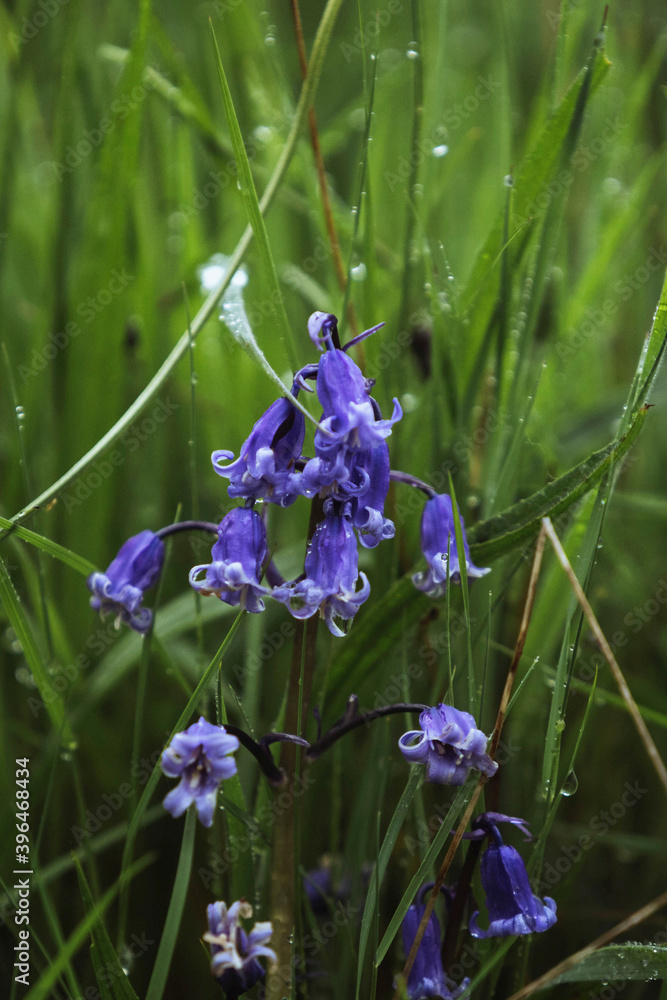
497	181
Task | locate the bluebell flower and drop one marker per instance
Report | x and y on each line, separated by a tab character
427	977
366	508
512	905
120	590
265	466
237	557
200	757
234	953
437	534
449	744
331	575
351	420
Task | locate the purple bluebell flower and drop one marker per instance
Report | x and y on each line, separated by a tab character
449	744
120	590
331	575
265	466
512	905
235	953
200	757
237	557
366	508
427	977
437	534
351	420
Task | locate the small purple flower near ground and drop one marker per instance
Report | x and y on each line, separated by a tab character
200	757
237	557
449	744
437	534
427	977
120	590
512	905
234	953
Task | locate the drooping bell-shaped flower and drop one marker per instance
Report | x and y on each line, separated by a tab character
437	536
120	590
235	953
427	977
331	575
200	757
512	905
236	562
265	466
366	508
449	744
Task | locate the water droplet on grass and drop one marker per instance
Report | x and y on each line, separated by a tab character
570	785
440	151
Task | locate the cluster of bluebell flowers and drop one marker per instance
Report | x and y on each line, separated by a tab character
350	473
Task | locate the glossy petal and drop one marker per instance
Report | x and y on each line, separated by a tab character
437	534
200	757
120	590
331	576
265	466
513	907
449	744
236	562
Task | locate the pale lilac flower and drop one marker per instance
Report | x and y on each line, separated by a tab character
200	757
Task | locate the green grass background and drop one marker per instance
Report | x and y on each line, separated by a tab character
512	368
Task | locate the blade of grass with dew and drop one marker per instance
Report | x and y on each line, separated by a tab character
318	54
425	870
254	213
172	923
111	978
538	849
51	548
42	988
388	844
505	531
643	962
558	137
18	620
